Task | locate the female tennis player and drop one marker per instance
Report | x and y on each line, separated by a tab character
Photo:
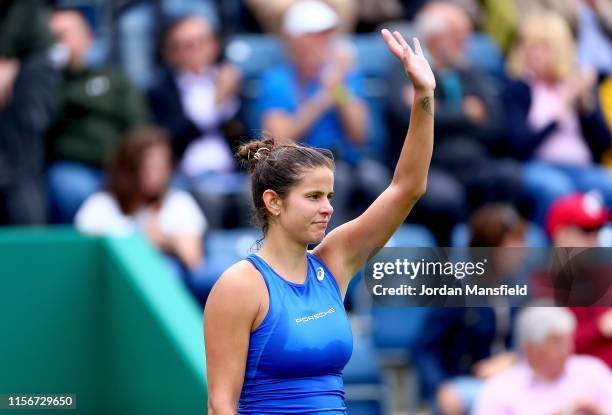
276	332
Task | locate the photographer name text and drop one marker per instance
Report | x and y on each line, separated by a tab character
404	289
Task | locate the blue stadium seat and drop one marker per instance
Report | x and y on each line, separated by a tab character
411	235
374	62
254	54
230	246
483	52
222	249
396	329
408	235
362	381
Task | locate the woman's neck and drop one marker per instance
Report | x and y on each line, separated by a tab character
284	254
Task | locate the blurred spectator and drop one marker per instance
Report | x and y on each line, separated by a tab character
195	96
461	348
501	18
139	24
594	332
550	378
29	84
318	99
567	9
469	121
470	345
500	21
193	100
575	276
552	115
98	105
575	220
136	198
497	225
270	13
595	35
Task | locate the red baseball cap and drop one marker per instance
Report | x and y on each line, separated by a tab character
584	210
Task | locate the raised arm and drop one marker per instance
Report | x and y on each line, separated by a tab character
349	246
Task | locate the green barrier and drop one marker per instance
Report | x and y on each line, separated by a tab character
98	318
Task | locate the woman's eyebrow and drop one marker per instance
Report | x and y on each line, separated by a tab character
318	192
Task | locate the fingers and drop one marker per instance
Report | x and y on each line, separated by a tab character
400	39
417	46
392	43
398	45
387	36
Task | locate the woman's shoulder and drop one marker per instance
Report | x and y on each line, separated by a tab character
241	283
238	297
178	196
180	212
100	213
102	197
101	202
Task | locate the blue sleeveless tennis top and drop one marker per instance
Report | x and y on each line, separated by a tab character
296	355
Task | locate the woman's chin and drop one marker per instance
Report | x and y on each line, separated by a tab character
318	237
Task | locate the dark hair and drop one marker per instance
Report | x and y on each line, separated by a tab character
278	166
491	223
169	26
124	168
86	13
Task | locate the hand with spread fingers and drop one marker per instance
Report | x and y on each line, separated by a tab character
415	65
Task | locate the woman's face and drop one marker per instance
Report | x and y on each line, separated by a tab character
539	58
306	210
192	46
155	170
310	51
548	359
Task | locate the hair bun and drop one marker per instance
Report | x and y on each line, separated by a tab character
253	152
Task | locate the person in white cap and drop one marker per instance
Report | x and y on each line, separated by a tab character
317	99
270	13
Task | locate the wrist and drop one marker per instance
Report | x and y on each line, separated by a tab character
424	101
423	92
323	99
340	94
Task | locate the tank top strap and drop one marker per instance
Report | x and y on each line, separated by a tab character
261	266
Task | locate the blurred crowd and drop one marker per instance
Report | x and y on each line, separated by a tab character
123	116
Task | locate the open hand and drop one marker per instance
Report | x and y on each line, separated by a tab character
415	65
228	83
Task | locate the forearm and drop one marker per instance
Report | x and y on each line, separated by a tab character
354	117
415	157
294	127
188	249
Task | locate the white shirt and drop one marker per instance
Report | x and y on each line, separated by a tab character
517	391
566	144
209	152
179	214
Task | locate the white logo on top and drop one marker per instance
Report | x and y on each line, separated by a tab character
320	274
315	316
